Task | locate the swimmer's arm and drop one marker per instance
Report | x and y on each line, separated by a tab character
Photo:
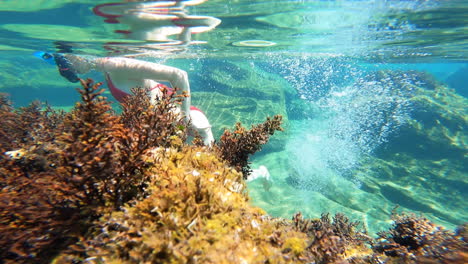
137	69
176	77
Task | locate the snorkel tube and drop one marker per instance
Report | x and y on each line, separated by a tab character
64	66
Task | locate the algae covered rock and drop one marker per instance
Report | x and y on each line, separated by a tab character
415	129
458	81
197	212
416	240
424	167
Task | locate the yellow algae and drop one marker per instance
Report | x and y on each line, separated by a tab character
297	245
357	251
188	216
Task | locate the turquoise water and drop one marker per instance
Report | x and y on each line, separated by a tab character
373	93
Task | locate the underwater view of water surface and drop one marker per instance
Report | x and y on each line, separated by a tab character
373	94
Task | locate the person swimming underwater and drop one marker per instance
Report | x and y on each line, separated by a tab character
122	74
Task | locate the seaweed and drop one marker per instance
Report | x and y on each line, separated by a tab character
29	125
148	126
34	210
10	130
89	149
61	171
415	239
153	124
91	186
236	146
197	212
332	240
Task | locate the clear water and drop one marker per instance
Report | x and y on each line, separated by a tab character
373	92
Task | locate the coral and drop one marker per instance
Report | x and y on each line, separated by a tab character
416	240
236	146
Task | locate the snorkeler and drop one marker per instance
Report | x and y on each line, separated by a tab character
122	74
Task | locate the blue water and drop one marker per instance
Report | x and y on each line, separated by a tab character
373	93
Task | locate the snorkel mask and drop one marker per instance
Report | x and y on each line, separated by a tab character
48	57
64	66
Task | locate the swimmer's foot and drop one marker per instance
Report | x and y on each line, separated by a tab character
261	172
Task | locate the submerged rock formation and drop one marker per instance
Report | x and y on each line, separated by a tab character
241	91
419	164
424	166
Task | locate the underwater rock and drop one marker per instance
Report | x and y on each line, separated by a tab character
14	75
416	240
245	110
418	164
458	81
245	93
300	183
245	79
424	166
